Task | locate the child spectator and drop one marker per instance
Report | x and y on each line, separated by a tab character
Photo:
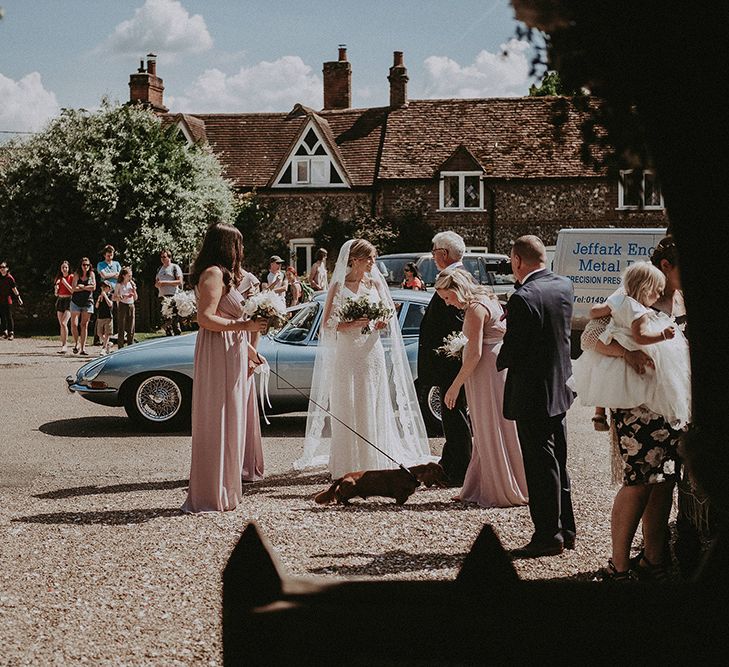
608	381
104	325
125	294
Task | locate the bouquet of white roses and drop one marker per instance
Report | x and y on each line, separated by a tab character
180	304
268	306
453	345
363	308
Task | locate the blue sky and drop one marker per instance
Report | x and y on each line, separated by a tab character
238	55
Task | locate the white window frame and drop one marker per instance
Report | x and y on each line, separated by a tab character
461	191
622	206
295	175
326	160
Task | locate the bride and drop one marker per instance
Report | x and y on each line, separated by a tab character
362	379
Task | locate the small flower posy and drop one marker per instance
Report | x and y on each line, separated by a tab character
453	345
180	304
268	306
362	308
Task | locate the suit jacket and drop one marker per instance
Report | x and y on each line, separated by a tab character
438	321
536	348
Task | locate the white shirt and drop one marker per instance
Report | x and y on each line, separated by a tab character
531	273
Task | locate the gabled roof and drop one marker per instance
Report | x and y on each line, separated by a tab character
193	126
325	133
461	159
508	137
251	146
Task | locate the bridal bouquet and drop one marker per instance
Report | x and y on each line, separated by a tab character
267	306
180	304
453	345
363	308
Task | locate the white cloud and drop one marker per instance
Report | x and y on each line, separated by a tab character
162	26
490	75
266	86
25	105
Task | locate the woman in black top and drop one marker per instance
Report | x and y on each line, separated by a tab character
82	305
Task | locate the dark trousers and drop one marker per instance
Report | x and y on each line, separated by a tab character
457	432
125	333
6	318
544	448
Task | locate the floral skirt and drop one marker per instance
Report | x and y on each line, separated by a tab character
648	446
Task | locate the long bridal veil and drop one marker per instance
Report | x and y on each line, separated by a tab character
410	429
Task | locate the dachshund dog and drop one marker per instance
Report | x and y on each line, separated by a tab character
397	484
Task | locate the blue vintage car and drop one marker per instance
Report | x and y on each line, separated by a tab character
153	380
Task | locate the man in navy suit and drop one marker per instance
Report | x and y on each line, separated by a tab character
536	350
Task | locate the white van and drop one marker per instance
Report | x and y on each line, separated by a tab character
593	259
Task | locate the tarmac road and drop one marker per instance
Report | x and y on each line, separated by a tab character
97	563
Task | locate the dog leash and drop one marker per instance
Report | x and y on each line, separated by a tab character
333	416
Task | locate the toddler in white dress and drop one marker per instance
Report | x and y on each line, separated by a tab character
608	381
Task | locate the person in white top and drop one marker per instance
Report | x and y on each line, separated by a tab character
125	294
276	280
318	278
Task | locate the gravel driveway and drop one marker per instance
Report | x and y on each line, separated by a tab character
98	565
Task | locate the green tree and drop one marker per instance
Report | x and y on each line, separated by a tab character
115	176
551	86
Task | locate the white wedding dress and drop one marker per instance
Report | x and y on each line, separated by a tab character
369	387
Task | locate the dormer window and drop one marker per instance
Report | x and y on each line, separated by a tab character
639	189
461	191
310	164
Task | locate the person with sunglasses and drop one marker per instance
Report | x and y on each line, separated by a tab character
82	305
8	294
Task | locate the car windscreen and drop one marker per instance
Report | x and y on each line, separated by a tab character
297	329
392	268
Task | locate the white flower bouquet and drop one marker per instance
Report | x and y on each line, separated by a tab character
180	304
363	308
268	306
453	345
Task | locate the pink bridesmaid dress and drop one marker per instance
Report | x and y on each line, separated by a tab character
223	409
253	452
495	476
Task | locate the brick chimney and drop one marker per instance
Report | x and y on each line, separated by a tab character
145	87
398	79
338	82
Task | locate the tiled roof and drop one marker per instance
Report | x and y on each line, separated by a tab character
251	146
510	137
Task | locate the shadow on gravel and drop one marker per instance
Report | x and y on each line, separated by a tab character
283	426
112	488
109	518
99	427
390	562
287	479
391	506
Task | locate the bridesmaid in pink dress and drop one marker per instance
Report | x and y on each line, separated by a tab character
220	395
495	476
253	453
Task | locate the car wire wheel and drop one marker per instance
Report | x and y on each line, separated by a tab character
434	403
158	398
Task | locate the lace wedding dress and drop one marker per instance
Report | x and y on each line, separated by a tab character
365	381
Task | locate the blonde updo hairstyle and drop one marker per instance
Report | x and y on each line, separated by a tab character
641	278
360	249
463	284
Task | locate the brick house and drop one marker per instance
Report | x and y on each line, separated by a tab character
490	169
